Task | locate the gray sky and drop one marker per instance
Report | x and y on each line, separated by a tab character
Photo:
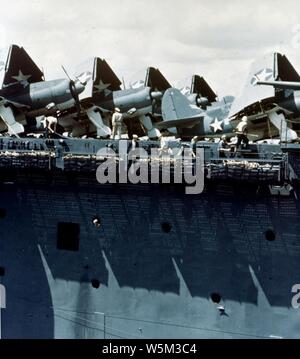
216	39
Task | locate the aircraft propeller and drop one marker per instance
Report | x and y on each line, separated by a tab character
83	79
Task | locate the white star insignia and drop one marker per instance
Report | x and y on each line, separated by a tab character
103	87
216	125
22	78
262	75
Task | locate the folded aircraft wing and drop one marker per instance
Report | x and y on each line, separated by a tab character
272	69
265	69
85	72
156	80
101	80
201	87
17	68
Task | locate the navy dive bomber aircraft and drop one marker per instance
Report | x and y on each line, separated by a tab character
105	94
24	93
272	110
82	105
194	115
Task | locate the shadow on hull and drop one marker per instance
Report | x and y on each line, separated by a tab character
228	240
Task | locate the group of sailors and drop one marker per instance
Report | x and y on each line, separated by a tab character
228	146
118	127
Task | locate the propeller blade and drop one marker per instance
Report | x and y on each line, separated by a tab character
75	96
65	71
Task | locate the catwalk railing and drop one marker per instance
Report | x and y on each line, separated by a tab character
257	162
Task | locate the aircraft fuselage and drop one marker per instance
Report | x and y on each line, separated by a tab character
37	96
140	99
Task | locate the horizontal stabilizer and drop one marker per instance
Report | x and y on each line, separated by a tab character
178	123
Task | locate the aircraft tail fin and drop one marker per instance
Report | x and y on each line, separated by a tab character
201	87
177	110
156	80
17	68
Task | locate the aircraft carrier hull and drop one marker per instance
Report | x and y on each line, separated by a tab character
158	266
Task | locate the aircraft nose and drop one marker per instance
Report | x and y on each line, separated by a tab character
79	87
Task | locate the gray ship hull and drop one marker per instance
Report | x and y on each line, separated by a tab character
158	266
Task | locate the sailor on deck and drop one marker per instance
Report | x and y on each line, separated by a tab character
50	124
117	122
224	146
242	131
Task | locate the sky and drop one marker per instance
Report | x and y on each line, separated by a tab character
216	39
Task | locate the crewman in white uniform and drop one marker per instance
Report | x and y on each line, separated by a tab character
117	123
242	131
